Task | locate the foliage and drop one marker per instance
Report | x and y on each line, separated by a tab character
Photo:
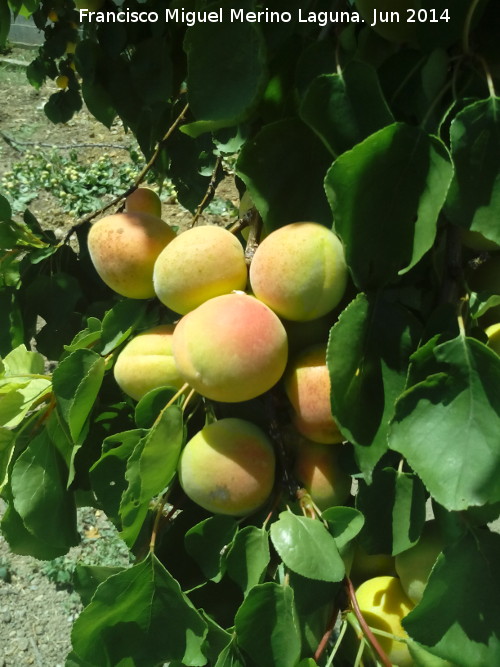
393	144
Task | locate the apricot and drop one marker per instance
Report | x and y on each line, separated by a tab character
415	564
143	200
493	333
307	385
384	604
146	362
201	263
228	467
124	247
231	348
317	467
299	271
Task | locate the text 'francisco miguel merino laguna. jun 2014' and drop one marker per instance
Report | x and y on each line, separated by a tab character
234	15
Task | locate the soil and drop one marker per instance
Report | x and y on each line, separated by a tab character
37	602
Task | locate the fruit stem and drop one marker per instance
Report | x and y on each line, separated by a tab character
364	625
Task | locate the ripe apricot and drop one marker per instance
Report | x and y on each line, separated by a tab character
124	247
299	271
201	263
384	604
146	362
228	467
143	200
307	385
317	467
231	348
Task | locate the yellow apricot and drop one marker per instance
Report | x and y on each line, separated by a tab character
201	263
124	247
318	469
299	271
146	362
62	81
493	333
231	348
143	200
307	385
383	604
228	467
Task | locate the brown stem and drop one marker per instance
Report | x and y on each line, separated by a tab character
209	193
364	625
328	633
137	181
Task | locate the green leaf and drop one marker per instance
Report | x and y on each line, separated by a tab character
5	208
474	198
344	523
481	302
18	396
386	195
230	657
140	613
393	506
446	425
248	557
458	618
231	62
107	475
206	541
38	482
12	330
268	174
23	362
152	77
98	101
306	547
343	109
268	612
7	440
86	579
151	404
368	357
150	468
119	322
77	381
24	543
4	23
62	106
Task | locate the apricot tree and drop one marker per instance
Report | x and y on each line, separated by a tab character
178	417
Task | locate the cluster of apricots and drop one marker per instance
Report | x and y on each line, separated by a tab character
229	341
235	332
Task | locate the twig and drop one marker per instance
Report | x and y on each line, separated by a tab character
137	181
209	193
17	142
327	634
467	26
364	625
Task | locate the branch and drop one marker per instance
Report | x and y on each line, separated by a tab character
13	143
137	181
209	193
